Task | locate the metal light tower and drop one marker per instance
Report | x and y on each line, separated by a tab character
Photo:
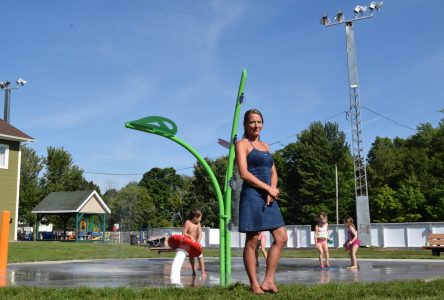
360	173
7	87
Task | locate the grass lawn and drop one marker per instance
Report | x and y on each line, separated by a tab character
53	251
386	290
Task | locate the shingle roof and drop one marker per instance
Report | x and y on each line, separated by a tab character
9	132
59	202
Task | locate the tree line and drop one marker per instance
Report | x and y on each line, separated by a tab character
405	180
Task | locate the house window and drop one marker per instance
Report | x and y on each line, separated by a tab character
4	156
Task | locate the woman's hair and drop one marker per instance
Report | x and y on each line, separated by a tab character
195	213
247	115
348	220
323	217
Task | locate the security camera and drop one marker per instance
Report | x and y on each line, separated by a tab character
21	82
2	85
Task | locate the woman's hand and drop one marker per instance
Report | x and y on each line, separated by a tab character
273	192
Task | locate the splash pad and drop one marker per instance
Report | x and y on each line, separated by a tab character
156	272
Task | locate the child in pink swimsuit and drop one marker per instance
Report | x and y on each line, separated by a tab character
352	244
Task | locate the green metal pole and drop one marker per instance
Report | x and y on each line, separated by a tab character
167	128
229	174
222	214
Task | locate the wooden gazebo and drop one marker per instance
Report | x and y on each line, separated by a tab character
86	207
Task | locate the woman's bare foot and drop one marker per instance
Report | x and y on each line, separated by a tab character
257	290
269	287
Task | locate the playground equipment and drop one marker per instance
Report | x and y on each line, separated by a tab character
4	237
184	247
168	129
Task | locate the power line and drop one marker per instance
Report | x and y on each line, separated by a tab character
389	119
125	174
339	113
281	142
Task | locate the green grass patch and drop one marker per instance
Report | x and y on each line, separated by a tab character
56	251
390	290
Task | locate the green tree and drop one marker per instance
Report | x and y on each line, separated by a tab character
412	200
414	169
309	180
384	205
30	190
385	164
132	207
166	188
203	195
62	174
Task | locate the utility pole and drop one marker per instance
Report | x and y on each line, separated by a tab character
360	173
6	85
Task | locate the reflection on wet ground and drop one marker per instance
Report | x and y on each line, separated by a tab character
155	272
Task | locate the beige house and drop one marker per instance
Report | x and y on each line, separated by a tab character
11	140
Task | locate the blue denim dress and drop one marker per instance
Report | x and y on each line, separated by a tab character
254	215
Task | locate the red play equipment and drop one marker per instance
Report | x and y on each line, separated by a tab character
177	241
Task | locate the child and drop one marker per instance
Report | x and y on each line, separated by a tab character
193	230
352	244
321	238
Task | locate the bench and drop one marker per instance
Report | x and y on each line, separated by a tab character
435	242
162	249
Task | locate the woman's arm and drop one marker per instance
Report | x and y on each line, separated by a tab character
241	160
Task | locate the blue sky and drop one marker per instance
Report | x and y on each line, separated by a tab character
93	65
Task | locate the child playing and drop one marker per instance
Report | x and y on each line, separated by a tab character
352	244
261	242
193	230
321	238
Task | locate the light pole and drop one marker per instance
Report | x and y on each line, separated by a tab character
6	85
360	173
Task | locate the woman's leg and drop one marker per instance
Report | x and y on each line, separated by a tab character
250	260
274	254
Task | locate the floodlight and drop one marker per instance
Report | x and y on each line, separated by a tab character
2	85
325	20
21	82
6	84
375	5
339	16
359	9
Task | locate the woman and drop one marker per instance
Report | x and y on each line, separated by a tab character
258	208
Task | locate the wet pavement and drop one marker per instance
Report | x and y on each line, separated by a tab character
156	272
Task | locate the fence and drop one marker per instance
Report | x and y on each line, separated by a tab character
384	235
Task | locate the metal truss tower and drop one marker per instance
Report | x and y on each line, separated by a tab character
360	173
